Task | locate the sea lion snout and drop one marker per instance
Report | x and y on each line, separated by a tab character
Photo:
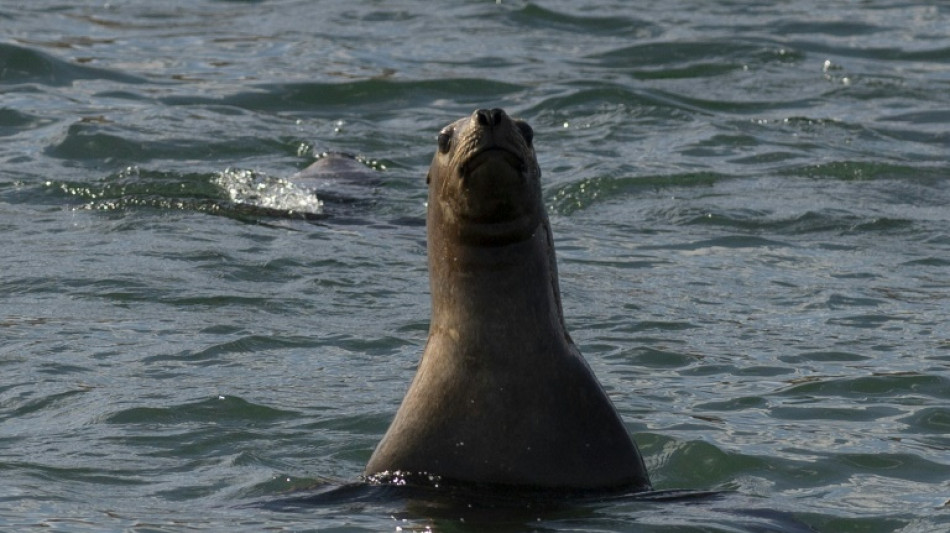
494	118
492	130
464	143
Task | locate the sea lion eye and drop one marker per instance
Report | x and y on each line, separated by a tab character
445	140
526	132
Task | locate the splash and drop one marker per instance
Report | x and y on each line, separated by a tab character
255	189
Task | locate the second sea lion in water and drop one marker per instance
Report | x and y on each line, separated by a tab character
338	178
501	395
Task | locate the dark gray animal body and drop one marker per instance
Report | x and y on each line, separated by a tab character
502	394
337	177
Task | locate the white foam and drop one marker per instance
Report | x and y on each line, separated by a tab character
260	190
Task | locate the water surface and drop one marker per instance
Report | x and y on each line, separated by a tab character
749	204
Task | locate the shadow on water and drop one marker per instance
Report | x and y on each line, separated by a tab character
462	507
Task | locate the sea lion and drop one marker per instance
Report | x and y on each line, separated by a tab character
337	177
501	394
336	185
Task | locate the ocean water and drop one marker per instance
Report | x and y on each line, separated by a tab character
750	208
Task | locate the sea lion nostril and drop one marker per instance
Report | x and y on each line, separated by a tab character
484	117
497	115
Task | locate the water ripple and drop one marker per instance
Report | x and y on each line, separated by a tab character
748	202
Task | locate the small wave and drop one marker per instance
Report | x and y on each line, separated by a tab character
363	94
220	410
136	187
234	193
13	122
879	385
103	141
534	15
25	65
582	194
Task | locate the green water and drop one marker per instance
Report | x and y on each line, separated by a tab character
749	205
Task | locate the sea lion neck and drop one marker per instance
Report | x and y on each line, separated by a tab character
481	294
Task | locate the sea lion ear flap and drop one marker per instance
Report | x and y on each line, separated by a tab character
527	133
428	176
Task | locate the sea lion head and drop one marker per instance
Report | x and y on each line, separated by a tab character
485	182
